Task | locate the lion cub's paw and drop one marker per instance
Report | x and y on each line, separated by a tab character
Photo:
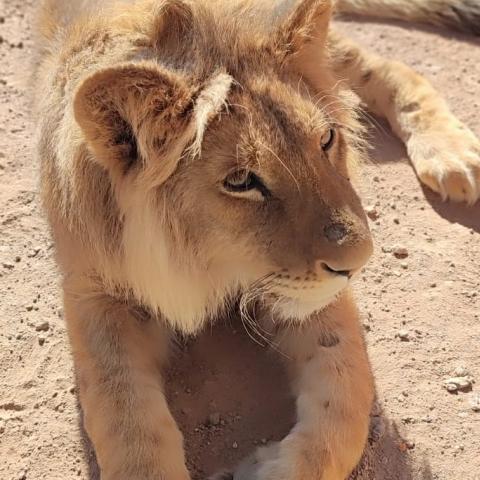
448	161
264	464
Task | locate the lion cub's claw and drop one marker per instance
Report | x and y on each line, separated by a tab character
448	162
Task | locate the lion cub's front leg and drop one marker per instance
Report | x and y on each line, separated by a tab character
333	386
117	353
444	152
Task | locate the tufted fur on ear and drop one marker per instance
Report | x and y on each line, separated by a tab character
304	29
141	115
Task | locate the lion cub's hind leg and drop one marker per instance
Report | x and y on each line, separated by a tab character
444	152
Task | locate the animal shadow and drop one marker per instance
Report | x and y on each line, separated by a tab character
229	394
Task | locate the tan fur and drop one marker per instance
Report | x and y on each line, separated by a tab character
463	15
149	111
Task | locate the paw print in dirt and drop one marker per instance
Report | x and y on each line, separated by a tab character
447	160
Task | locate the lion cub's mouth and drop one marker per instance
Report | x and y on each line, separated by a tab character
298	298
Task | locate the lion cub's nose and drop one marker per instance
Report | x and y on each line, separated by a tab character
335	232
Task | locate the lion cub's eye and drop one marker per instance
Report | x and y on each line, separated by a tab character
244	181
328	139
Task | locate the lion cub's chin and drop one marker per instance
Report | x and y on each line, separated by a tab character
299	304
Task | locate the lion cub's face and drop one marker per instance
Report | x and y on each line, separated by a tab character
269	199
238	183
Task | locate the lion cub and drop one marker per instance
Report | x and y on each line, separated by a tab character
197	152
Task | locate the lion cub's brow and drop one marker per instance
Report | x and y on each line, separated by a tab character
290	110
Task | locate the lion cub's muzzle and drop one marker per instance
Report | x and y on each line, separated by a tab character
344	250
337	248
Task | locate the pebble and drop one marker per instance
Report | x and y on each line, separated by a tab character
372	212
400	252
455	384
475	402
42	327
403	335
235	445
41	341
214	419
8	265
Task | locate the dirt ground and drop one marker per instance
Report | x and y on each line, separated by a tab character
421	313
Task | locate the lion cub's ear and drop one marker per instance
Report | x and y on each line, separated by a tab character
304	30
141	115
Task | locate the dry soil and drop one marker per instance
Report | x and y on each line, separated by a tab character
421	312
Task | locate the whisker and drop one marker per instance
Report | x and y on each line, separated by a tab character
283	164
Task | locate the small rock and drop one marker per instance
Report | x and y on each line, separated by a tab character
403	335
214	419
235	445
400	252
42	327
372	212
8	265
475	402
455	384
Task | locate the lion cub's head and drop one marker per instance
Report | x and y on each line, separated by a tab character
228	146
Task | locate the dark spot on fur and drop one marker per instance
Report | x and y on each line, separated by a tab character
367	76
159	143
187	109
411	107
328	339
326	404
348	58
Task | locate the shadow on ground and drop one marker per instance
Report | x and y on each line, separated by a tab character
386	148
229	394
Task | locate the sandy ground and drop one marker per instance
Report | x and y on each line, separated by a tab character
421	313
